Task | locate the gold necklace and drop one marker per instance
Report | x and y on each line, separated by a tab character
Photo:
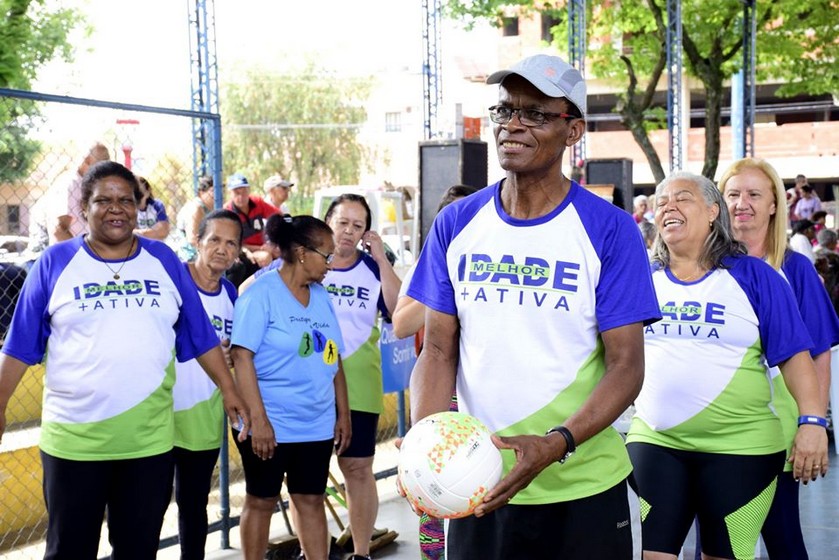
125	260
699	272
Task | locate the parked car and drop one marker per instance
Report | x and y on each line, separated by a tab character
13	250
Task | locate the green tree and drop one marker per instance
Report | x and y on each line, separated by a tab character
303	126
797	45
32	32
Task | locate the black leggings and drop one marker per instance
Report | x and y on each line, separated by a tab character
135	492
782	529
193	478
730	494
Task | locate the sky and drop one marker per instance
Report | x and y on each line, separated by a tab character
138	52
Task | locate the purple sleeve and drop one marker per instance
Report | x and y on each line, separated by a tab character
228	286
813	301
374	268
782	331
624	292
160	210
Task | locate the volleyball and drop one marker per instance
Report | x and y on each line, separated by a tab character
447	464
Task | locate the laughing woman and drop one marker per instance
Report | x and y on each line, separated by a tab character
705	441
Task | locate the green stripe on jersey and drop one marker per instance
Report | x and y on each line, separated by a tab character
144	430
598	464
200	428
730	423
363	371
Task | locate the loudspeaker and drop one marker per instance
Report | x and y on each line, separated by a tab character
617	172
445	163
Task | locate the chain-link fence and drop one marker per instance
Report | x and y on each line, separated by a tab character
41	151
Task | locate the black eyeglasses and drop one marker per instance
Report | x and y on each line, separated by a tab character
328	257
502	114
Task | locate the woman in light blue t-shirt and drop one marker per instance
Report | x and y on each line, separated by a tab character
286	348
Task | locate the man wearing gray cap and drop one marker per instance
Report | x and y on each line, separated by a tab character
538	292
277	191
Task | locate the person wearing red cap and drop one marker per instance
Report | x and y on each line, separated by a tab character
253	212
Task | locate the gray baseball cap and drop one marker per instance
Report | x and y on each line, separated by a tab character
551	75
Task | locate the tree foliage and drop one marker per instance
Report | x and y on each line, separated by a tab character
32	32
797	46
303	126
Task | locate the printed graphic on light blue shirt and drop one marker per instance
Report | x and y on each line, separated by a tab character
296	352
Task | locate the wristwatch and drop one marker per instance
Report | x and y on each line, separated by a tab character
570	446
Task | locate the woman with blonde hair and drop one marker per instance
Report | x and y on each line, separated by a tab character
757	204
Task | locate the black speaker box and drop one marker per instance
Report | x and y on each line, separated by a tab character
617	172
445	163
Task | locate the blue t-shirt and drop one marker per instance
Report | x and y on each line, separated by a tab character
813	301
821	323
296	352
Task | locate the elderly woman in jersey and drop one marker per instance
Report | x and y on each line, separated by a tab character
754	193
705	441
109	310
362	284
198	411
286	348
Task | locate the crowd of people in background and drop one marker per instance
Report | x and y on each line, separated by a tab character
805	228
272	320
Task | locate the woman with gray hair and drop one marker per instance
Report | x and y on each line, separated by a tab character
705	441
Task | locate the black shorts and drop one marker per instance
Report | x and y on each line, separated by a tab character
598	526
729	494
305	465
365	427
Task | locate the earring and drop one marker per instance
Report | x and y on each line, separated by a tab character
711	225
301	261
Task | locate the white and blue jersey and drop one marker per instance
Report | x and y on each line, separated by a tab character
356	294
154	212
707	387
198	405
819	317
532	297
296	350
109	345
